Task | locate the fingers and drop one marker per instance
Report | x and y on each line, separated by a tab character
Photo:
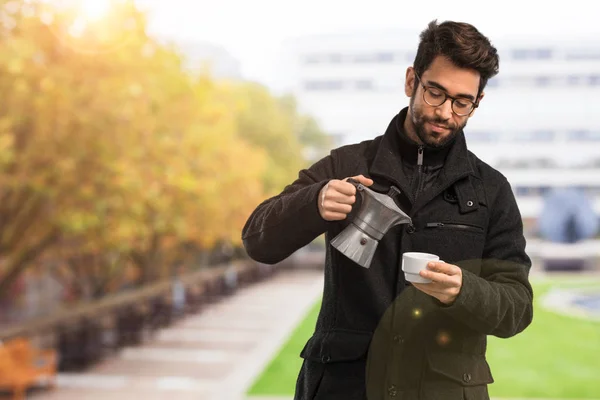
334	207
441	279
333	216
336	199
446	281
443	274
444	268
338	196
362	179
342	187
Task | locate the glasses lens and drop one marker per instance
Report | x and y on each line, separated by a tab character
434	97
462	107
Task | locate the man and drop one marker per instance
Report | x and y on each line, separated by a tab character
378	336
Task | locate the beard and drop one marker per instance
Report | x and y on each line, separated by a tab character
432	139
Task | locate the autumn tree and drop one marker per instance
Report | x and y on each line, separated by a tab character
114	156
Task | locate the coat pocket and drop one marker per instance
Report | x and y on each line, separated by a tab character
465	369
337	346
452	241
339	359
456	226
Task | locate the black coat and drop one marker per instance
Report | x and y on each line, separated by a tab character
377	336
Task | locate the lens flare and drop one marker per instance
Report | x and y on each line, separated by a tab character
92	26
95	10
443	338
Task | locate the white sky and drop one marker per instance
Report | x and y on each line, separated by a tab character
253	30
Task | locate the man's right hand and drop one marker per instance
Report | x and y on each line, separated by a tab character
337	197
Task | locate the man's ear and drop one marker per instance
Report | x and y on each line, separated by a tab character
410	82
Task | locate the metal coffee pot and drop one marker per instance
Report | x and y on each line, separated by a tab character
378	213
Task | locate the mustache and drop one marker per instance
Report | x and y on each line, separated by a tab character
440	122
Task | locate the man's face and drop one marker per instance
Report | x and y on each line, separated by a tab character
437	126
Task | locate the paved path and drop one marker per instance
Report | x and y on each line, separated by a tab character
215	354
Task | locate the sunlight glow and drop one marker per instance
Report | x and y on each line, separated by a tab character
94	10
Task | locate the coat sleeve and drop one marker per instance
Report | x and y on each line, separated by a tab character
499	302
284	223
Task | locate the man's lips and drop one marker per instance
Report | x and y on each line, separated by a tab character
438	128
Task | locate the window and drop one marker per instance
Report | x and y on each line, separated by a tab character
584	135
542	81
322	58
594	80
362	58
484	136
323	85
532	54
383	57
358	58
583	54
532	190
536	136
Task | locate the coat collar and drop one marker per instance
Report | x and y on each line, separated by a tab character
395	148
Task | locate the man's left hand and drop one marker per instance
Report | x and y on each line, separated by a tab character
446	281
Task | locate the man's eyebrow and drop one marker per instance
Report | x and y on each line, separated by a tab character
463	95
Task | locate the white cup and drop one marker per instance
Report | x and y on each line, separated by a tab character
413	263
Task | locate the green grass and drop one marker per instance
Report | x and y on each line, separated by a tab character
558	356
279	378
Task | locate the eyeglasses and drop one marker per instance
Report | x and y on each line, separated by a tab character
435	97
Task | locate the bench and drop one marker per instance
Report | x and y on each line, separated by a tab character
22	366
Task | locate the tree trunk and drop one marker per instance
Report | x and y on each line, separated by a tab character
147	260
25	258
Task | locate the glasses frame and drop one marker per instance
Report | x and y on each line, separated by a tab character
446	97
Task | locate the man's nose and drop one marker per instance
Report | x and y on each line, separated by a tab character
444	111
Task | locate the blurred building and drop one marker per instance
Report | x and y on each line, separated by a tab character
537	123
201	56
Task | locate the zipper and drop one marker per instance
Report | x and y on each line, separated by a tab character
419	170
451	225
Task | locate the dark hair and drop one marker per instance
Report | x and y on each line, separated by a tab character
462	44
